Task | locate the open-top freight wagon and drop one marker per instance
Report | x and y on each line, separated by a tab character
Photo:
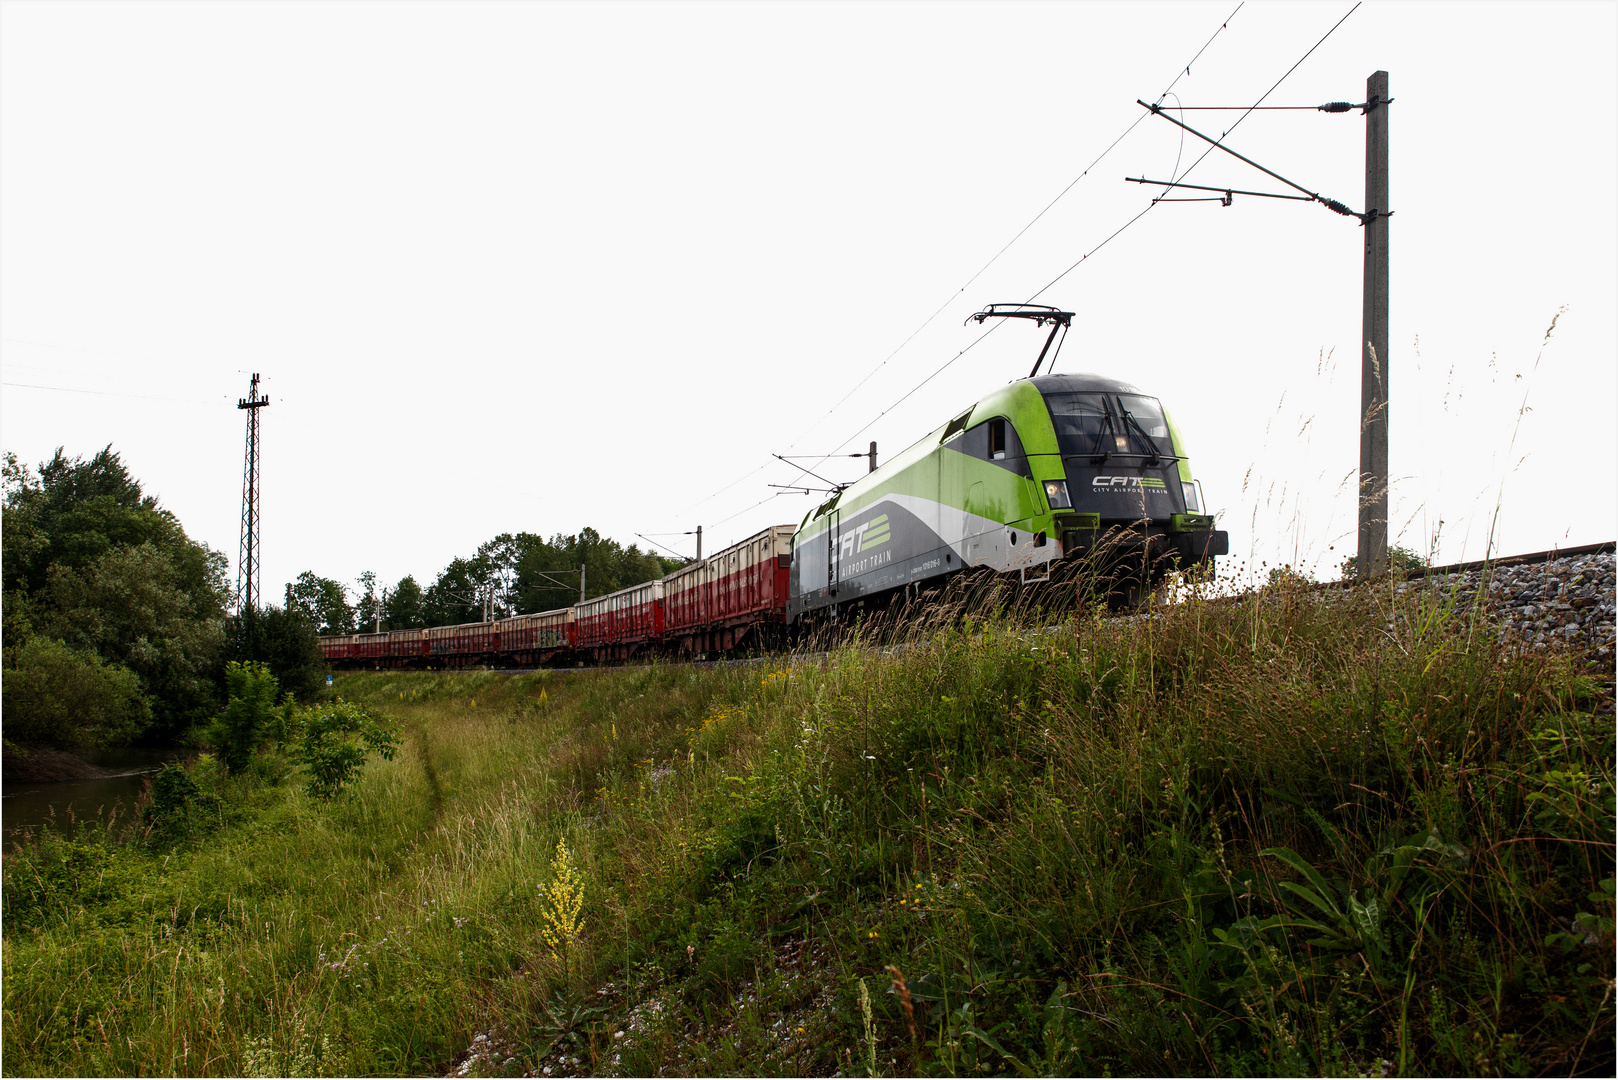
735	598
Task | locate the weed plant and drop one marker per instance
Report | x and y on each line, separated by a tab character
1291	832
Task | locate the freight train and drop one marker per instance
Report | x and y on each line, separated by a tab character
1044	471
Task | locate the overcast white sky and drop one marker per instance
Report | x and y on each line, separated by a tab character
534	267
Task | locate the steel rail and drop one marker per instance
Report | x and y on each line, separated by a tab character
1530	559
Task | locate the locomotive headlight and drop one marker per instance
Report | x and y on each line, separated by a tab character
1191	506
1056	495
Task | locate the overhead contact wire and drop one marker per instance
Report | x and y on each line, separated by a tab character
1186	70
1181	73
1199	157
1114	235
1031	223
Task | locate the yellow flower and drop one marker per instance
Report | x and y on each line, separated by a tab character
562	903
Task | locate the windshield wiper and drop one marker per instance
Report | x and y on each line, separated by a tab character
1131	422
1098	455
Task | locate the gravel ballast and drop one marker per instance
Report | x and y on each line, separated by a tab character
1566	602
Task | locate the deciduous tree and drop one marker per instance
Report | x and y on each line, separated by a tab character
323	601
58	697
403	609
93	563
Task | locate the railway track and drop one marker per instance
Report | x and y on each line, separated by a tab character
1605	548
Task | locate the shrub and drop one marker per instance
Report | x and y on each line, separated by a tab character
334	742
60	698
282	726
247	719
1401	560
173	792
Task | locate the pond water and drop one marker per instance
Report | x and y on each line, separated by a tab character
28	805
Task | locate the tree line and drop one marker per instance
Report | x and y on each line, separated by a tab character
514	573
117	625
116	622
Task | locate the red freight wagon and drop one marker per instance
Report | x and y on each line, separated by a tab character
685	609
743	588
461	644
619	621
439	641
337	647
406	644
472	639
715	604
749	578
534	637
371	646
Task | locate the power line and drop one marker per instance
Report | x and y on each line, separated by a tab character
665	547
727	487
1147	209
979	339
974	344
1083	258
1182	73
1211	149
114	393
755	506
1032	222
1007	247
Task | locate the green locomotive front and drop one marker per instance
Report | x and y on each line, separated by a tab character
1062	465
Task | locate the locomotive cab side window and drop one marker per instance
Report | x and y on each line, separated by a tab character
994	440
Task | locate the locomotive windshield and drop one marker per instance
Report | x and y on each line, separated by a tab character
1101	424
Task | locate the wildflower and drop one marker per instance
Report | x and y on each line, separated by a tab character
562	903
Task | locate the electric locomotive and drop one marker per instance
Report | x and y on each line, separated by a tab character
1044	468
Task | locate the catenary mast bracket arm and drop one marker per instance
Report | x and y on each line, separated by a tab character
546	575
1227	192
1313	196
811	472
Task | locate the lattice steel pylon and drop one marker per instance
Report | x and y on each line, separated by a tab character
248	594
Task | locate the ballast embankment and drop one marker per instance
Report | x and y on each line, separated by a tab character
1567	601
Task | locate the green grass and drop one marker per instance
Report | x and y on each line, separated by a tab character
1298	833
